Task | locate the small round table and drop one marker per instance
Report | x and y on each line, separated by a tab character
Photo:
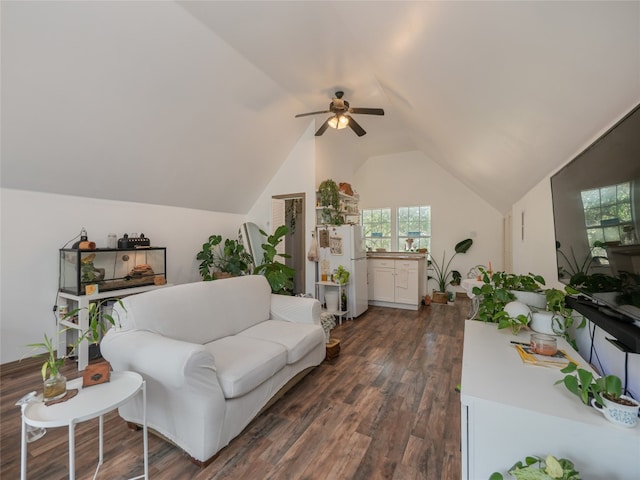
89	403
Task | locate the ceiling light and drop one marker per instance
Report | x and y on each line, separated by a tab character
339	122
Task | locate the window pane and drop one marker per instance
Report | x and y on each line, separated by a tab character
376	227
608	195
414	222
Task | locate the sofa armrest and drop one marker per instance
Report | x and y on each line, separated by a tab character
295	309
174	363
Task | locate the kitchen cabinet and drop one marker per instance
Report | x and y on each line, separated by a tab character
396	282
510	410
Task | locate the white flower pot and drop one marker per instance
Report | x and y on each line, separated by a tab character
547	322
623	415
533	299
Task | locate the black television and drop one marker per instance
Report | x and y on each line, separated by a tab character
596	210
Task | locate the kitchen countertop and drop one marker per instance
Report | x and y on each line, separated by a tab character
397	255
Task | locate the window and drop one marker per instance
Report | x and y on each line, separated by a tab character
376	225
607	210
414	227
406	222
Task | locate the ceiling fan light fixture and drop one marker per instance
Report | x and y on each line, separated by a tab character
339	122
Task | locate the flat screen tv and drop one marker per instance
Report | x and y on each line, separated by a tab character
596	209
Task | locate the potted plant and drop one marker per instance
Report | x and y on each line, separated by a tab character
603	393
330	200
279	275
221	260
494	296
54	383
442	272
537	468
556	318
526	288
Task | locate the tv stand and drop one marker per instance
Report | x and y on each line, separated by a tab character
510	410
627	333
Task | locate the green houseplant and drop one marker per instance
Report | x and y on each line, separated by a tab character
330	199
218	258
279	275
585	386
54	383
442	274
495	296
537	468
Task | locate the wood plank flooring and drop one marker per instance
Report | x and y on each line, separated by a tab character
386	408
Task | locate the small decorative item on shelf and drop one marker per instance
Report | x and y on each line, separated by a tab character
341	275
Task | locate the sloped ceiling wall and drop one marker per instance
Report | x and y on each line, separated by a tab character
192	103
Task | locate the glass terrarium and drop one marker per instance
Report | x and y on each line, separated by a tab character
84	272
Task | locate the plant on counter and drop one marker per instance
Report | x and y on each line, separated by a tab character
230	258
442	272
563	318
330	200
279	275
494	296
585	386
537	468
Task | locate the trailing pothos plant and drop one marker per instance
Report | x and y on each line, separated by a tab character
537	468
557	305
495	296
584	385
279	275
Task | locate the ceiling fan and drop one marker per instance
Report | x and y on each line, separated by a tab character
340	108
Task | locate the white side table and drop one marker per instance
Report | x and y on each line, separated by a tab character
89	403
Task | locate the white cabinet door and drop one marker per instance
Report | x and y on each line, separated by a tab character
383	280
406	282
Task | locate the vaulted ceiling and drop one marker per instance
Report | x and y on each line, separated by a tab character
192	103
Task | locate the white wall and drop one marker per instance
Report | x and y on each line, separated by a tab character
296	175
457	213
35	225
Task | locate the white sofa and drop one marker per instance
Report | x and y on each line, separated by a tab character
213	355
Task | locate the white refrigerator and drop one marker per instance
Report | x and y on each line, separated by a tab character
347	248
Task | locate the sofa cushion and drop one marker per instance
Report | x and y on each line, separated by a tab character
199	312
243	363
298	338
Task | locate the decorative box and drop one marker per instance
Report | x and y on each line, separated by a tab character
85	272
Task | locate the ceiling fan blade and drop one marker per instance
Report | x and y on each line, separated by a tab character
367	111
356	127
323	127
311	113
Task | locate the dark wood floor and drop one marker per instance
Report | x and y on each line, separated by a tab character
386	408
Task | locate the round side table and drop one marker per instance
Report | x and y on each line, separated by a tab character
89	403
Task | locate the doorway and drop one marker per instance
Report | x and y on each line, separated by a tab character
289	210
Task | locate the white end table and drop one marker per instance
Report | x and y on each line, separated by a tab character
89	403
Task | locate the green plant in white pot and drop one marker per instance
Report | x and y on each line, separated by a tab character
557	318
